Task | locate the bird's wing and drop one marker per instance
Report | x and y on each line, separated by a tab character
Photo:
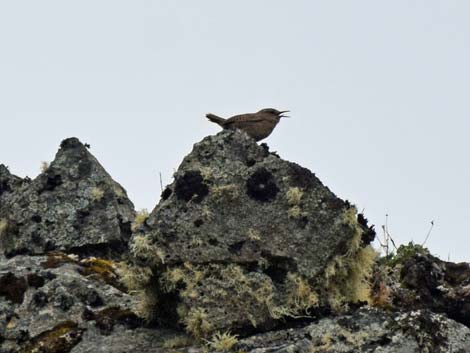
243	119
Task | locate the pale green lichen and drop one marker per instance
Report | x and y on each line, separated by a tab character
143	248
222	342
228	192
347	276
140	218
96	193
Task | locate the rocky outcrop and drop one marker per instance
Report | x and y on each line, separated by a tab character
245	252
414	279
73	206
242	239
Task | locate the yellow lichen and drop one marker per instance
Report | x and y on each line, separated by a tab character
140	218
134	277
196	322
254	235
228	192
96	193
294	196
143	248
222	342
347	276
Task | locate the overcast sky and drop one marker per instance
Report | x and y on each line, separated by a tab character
379	94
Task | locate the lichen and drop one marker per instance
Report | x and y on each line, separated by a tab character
228	192
133	277
222	342
96	193
140	218
347	276
142	248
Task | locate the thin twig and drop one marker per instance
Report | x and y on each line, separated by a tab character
161	181
429	233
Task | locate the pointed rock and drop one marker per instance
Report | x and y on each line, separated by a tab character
247	238
73	206
8	182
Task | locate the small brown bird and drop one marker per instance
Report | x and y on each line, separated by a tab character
258	125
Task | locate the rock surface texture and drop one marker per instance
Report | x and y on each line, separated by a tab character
74	205
245	252
245	239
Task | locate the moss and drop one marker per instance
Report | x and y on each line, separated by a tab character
261	186
96	193
102	269
406	252
61	339
222	342
140	219
13	288
191	186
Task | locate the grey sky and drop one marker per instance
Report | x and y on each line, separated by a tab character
379	94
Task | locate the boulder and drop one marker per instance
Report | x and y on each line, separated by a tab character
243	238
72	206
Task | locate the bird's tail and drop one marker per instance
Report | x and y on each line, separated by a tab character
215	119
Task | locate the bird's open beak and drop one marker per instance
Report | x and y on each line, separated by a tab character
284	116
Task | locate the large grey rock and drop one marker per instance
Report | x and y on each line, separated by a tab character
45	297
72	206
244	238
367	331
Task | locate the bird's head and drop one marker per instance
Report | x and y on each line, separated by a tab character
275	113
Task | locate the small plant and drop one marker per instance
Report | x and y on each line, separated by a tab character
222	342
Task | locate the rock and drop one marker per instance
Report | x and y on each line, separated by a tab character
244	238
367	330
73	206
8	183
417	280
46	298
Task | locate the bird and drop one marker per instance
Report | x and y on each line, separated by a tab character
257	125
